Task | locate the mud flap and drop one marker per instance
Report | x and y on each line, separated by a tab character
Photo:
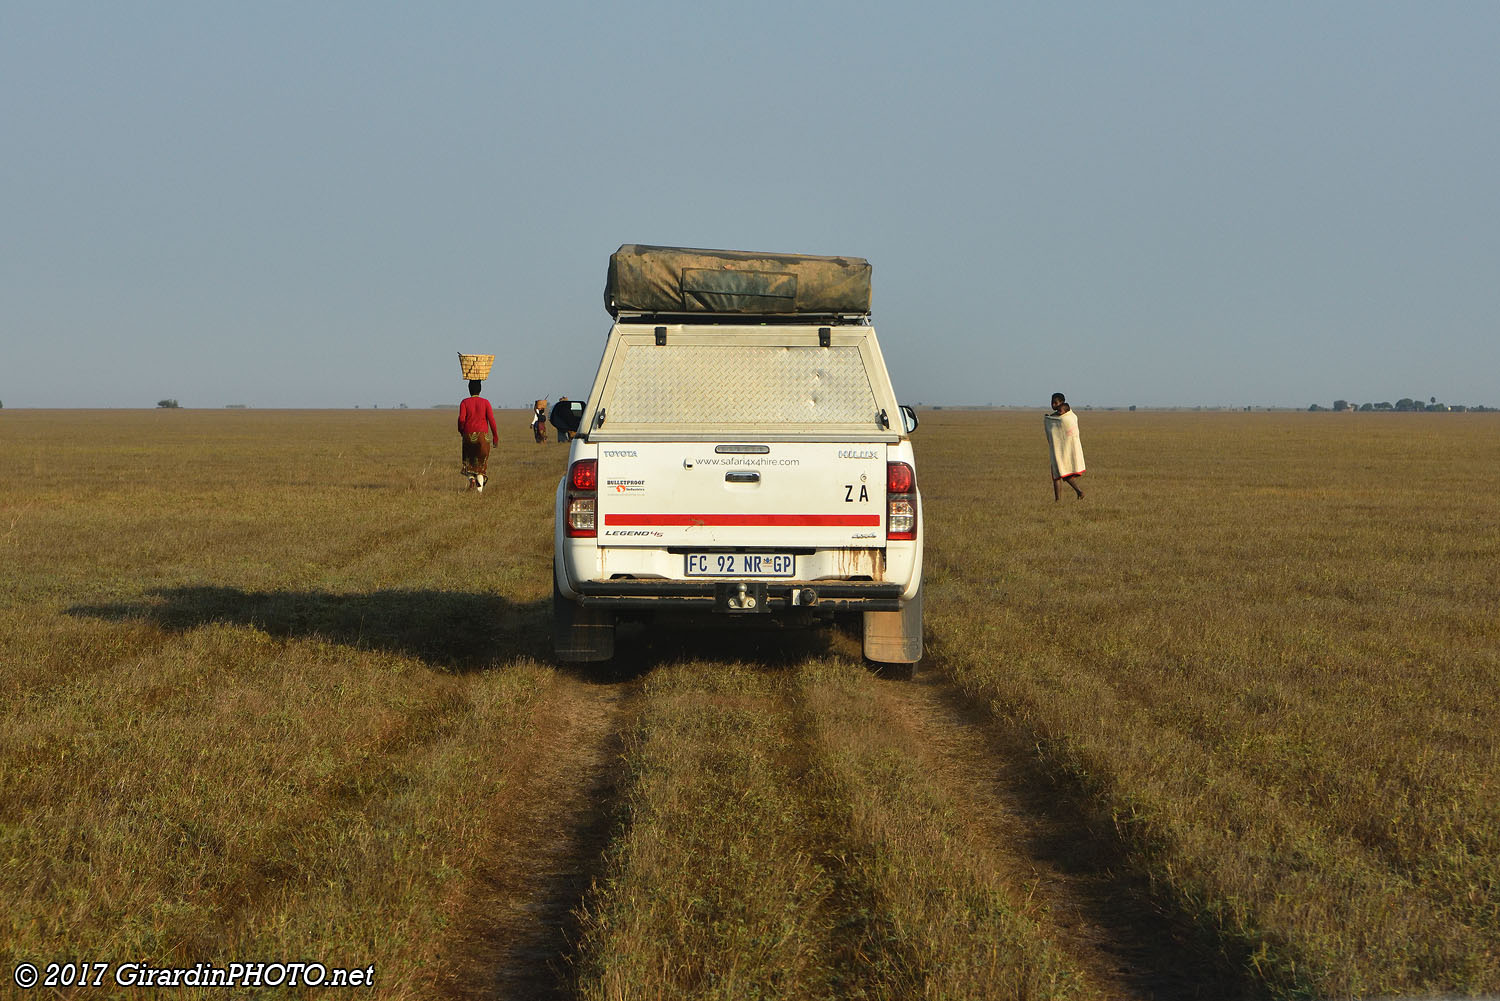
895	637
579	634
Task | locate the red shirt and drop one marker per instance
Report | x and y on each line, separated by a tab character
474	414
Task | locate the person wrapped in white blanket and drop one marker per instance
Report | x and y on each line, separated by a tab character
1065	445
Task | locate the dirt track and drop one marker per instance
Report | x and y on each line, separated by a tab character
515	930
1101	913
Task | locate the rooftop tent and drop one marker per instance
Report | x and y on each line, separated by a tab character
678	280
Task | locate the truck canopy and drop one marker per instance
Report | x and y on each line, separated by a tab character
649	280
687	380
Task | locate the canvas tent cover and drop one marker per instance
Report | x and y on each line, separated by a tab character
646	279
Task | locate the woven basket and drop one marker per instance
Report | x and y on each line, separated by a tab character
475	366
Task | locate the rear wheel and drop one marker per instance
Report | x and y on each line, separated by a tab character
896	672
580	634
894	639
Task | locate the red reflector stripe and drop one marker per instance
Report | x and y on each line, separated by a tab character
860	520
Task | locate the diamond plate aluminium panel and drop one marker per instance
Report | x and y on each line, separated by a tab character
742	384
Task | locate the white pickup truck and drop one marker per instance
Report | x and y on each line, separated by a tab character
741	453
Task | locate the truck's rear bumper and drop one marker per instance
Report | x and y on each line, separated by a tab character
729	595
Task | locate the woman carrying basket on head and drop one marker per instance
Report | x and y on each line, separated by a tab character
476	426
539	421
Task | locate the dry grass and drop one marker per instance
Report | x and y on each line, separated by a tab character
272	682
785	842
715	888
1267	646
948	911
263	672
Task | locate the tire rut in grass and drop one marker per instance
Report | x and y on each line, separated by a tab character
1105	918
512	934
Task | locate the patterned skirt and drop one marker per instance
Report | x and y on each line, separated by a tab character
476	453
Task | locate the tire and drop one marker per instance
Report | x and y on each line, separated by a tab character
580	635
896	672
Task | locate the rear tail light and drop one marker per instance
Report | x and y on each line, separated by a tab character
582	507
900	502
584	475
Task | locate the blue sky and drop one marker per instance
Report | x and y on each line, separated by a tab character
319	204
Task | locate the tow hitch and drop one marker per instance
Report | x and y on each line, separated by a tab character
740	597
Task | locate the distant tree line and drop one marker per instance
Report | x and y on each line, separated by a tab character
1406	405
167	404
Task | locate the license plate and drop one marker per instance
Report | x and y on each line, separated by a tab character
740	564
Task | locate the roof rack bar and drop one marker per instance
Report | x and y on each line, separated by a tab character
749	319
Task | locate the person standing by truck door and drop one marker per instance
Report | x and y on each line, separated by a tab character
559	420
1066	447
476	426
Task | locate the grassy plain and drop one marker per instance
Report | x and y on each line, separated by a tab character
274	686
1268	648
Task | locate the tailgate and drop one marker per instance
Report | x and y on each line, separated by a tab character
706	494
